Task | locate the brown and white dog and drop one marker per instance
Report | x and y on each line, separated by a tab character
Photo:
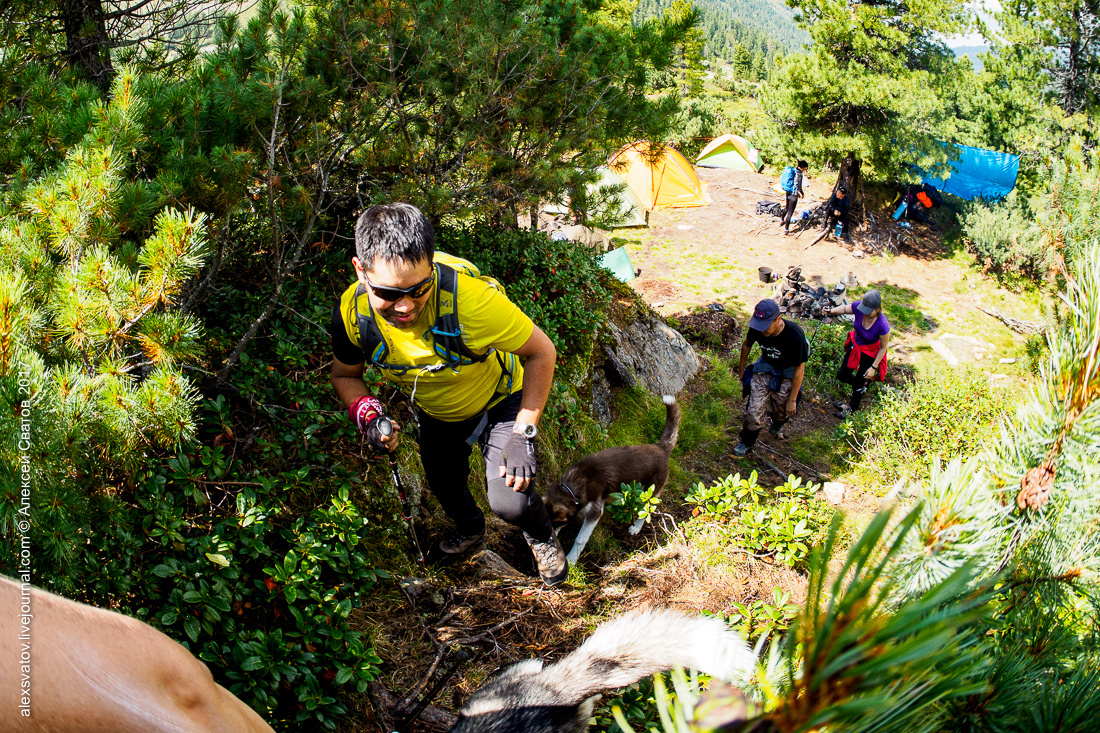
587	483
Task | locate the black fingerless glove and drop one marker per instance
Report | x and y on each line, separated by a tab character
518	457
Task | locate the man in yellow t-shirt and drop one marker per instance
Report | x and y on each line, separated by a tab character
489	386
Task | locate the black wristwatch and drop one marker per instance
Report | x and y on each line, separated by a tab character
526	429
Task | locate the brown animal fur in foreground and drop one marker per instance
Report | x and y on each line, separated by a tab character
586	485
95	671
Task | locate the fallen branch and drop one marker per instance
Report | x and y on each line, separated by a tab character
772	466
1027	328
432	717
819	238
793	462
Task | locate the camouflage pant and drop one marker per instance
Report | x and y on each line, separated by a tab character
763	401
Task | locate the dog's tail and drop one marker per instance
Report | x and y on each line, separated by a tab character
641	643
672	424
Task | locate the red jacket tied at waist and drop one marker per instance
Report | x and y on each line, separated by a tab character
859	350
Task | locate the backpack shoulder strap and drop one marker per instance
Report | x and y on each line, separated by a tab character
375	349
447	332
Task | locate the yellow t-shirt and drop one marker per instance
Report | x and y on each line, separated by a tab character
487	320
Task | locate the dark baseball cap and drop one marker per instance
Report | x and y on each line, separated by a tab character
764	315
870	302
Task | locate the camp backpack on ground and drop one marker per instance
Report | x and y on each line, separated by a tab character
446	333
769	207
787	182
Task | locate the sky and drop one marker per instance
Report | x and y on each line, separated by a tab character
984	9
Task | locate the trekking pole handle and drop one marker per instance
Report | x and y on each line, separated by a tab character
385	426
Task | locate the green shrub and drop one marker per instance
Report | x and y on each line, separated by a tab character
633	502
945	412
260	596
1004	238
777	522
559	284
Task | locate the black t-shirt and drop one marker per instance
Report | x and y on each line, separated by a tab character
342	347
788	348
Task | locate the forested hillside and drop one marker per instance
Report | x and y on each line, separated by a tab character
764	27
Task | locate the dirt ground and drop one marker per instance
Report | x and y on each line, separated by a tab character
726	242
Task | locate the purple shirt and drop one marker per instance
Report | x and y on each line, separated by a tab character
878	329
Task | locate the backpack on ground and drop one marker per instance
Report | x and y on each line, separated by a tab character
446	333
787	181
769	207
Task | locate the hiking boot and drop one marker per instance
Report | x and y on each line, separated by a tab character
741	449
553	566
457	543
844	412
777	429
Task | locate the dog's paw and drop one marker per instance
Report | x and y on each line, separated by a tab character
573	557
636	527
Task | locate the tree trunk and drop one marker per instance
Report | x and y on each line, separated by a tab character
849	173
87	47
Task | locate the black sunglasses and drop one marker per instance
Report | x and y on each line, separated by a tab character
395	294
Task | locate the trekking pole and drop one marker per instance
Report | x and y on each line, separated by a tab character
385	427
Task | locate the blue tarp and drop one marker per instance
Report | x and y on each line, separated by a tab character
979	173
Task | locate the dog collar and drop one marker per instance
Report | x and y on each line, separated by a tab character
571	494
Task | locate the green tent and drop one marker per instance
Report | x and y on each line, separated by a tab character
631	209
730	151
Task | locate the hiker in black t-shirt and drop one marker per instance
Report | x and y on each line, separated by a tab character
774	380
794	195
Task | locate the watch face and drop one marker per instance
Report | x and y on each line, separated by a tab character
527	431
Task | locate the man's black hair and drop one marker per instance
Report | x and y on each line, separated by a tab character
803	164
393	233
843	190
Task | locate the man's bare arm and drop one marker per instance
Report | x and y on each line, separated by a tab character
540	357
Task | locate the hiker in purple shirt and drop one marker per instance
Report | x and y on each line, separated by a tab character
864	349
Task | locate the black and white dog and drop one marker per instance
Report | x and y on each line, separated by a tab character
560	698
586	485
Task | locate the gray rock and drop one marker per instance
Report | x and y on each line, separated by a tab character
601	398
652	355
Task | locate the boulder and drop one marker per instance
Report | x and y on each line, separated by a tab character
650	354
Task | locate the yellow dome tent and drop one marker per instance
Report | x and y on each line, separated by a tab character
667	182
730	151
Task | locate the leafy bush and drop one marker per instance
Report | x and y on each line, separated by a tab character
633	503
758	618
775	522
556	283
943	412
260	596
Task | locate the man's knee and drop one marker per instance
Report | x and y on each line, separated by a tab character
514	507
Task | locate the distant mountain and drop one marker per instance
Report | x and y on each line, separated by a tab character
764	26
971	52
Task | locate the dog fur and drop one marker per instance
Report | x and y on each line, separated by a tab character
586	484
560	698
96	671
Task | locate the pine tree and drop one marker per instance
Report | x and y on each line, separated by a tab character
88	321
865	89
742	62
